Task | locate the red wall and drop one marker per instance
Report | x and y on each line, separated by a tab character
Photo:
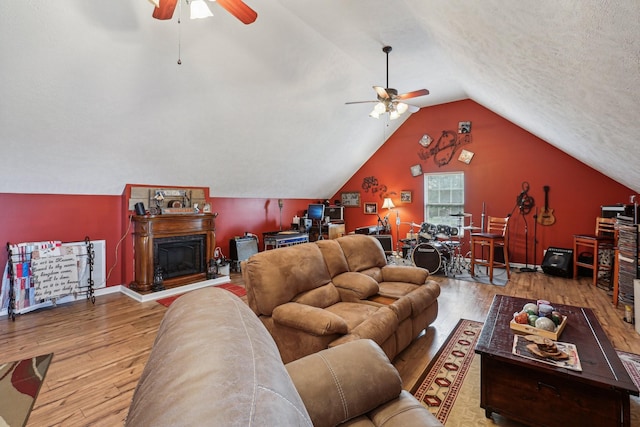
505	157
237	216
69	218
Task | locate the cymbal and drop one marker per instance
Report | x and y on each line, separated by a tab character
464	214
470	227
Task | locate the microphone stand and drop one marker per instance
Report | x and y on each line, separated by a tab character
526	268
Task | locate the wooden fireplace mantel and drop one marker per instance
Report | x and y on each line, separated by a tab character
150	227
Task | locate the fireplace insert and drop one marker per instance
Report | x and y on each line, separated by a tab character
180	255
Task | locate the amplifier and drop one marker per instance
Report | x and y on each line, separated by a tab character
558	262
386	241
241	248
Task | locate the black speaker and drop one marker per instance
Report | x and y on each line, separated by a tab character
386	241
140	208
558	262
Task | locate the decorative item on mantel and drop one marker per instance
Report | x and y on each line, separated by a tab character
158	280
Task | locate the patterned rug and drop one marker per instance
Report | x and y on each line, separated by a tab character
234	289
20	383
439	386
450	386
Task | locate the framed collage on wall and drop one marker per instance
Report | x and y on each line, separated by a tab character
350	199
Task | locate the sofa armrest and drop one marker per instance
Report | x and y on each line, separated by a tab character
355	286
344	382
310	319
404	273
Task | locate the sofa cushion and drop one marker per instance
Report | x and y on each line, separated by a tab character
404	273
275	277
333	257
199	373
355	286
362	252
321	297
344	382
309	319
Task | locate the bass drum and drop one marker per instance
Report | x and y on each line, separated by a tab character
427	256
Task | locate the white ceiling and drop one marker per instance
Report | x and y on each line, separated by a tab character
92	97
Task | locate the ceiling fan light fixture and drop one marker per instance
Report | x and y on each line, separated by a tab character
402	107
374	114
199	9
393	115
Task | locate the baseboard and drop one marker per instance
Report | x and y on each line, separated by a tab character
128	292
173	291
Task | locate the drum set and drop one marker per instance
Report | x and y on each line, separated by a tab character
437	247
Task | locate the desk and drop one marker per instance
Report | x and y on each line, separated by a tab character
284	238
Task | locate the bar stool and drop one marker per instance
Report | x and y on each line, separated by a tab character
605	237
495	236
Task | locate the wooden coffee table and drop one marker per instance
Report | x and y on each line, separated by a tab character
535	393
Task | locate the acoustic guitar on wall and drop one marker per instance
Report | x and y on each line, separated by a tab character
545	216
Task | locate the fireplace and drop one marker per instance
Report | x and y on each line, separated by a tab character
181	244
180	255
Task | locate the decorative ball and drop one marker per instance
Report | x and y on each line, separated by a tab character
530	308
532	319
545	323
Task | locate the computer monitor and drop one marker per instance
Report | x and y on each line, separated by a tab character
315	212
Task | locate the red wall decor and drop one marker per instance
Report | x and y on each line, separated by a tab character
505	156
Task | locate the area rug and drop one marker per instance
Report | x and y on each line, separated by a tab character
450	386
20	382
438	388
234	289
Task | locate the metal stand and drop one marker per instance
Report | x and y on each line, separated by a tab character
25	260
526	268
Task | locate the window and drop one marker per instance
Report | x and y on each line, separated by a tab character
444	195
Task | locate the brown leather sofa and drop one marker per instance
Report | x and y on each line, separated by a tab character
318	295
213	363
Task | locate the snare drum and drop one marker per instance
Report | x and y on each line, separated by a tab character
427	256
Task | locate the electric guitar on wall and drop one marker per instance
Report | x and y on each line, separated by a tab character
546	214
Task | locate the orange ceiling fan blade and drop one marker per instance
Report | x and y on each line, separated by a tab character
240	10
414	94
165	11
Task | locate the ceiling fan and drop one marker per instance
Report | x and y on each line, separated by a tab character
388	99
164	9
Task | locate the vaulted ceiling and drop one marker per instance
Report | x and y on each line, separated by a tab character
92	96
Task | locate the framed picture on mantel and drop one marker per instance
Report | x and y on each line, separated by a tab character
351	199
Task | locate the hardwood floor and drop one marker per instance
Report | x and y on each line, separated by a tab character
100	350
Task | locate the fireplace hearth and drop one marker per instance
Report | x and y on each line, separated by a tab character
180	244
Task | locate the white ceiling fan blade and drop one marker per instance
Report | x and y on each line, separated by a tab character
382	92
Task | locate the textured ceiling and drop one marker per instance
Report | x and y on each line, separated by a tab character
92	97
